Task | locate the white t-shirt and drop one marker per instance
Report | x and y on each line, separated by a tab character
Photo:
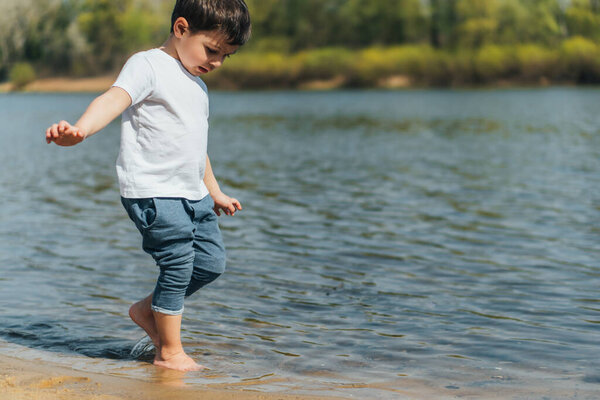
164	131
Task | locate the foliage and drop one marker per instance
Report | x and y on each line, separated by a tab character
577	60
324	63
253	70
493	62
439	42
535	62
583	20
21	74
422	63
580	60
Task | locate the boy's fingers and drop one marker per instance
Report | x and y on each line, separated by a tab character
74	131
236	205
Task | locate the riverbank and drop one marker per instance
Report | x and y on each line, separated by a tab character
41	380
102	83
574	62
26	379
65	85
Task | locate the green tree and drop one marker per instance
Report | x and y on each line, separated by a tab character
583	18
528	21
51	40
442	23
382	22
477	22
142	25
15	17
22	74
580	60
99	21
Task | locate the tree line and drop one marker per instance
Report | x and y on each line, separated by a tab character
470	41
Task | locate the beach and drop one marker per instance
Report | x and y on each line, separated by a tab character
22	379
39	380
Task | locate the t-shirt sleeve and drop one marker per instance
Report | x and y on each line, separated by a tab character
136	78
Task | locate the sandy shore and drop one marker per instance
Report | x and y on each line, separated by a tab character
33	379
67	85
39	380
102	83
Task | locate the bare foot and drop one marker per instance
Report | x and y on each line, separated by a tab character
178	361
141	314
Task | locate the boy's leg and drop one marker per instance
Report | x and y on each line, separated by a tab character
167	310
170	354
168	232
200	278
209	257
141	314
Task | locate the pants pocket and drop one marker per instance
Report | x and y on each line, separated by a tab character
143	212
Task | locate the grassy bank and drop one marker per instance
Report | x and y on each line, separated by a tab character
574	61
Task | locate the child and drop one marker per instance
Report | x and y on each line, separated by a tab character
166	181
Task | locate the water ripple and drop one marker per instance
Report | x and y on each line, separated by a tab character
380	238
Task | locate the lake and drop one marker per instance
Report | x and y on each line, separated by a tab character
445	238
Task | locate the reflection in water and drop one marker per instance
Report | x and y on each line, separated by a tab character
387	239
168	377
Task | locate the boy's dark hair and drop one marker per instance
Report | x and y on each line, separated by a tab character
230	17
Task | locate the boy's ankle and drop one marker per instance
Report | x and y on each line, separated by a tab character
166	353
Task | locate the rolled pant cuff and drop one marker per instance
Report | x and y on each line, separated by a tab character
165	311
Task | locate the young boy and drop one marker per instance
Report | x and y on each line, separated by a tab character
166	181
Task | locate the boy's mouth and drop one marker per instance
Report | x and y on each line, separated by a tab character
202	70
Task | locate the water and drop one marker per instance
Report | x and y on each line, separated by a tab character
446	237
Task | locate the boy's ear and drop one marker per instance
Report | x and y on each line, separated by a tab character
180	26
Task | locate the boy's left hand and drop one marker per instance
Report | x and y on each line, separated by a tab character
227	204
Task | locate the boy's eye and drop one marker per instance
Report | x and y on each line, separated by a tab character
211	51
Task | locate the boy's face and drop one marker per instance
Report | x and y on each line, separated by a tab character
202	51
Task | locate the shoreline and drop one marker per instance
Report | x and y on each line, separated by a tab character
64	85
102	83
25	374
43	380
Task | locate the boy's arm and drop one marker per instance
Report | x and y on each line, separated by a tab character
99	113
229	205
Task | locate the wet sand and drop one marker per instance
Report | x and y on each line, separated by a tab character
40	380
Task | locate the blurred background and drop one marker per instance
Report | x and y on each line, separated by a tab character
322	43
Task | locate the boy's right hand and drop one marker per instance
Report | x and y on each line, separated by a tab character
64	134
